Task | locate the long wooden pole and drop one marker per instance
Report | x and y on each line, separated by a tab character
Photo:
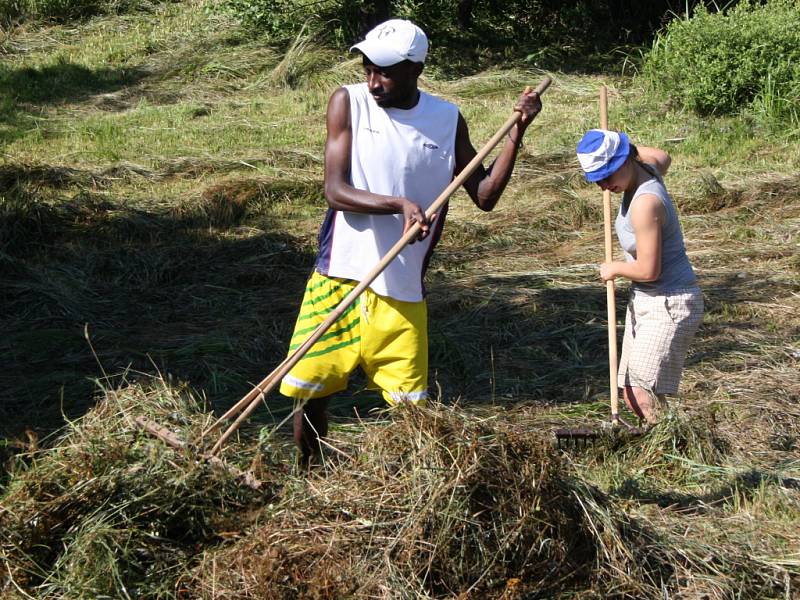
173	440
610	299
249	403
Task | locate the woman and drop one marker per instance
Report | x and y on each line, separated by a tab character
666	306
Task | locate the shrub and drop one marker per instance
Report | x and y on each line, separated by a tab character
10	11
60	10
513	25
470	33
721	63
283	20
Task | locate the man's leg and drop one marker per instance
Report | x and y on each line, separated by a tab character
395	348
325	368
311	424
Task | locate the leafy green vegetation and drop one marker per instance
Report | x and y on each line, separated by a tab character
469	35
745	58
63	10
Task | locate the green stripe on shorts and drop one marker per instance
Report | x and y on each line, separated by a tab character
323	280
329	335
315	299
325	312
355	340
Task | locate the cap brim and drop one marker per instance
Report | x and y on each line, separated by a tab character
377	53
615	163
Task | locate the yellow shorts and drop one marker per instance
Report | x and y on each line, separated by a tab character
387	338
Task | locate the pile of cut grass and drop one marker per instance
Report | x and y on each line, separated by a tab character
431	502
109	512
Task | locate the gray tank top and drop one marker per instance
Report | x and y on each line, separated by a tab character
676	272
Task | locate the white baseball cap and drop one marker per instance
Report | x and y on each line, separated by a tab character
394	41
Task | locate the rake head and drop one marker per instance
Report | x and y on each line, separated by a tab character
581	437
576	438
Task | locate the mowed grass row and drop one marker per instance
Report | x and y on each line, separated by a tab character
161	192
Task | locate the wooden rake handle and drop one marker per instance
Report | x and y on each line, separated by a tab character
173	440
610	298
250	401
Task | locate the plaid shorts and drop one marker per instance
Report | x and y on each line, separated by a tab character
658	331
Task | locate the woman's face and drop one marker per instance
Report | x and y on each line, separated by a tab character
618	181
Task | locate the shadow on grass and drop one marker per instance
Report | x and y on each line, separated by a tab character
514	339
214	307
744	484
25	91
155	291
530	338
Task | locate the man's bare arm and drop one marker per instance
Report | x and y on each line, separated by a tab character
339	193
485	186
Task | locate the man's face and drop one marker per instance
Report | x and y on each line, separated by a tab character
394	86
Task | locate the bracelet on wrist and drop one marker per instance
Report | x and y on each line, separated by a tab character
518	144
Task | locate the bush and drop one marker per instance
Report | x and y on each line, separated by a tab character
283	20
470	33
721	63
10	11
60	10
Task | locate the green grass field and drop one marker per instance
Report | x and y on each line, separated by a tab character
160	195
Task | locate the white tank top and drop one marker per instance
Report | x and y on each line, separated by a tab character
394	152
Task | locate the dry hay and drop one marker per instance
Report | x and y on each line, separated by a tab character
227	203
193	167
18	175
684	466
31	223
28	217
109	512
708	195
492	82
36	177
22	221
433	503
439	504
681	434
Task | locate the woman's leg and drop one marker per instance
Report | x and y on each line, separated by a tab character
645	404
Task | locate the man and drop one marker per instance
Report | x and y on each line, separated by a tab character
391	150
